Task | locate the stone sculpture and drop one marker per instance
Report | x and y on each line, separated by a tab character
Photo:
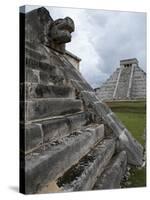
52	33
59	33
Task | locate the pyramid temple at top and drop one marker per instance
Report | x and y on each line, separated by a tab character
127	82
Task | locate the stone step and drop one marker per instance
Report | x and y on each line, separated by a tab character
48	91
82	176
126	141
139	93
123	84
113	173
48	164
52	77
45	66
42	108
42	54
34	53
40	132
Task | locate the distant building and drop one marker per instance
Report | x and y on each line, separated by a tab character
127	82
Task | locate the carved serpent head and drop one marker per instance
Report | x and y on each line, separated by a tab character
60	30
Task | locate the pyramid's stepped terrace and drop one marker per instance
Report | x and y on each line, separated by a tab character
139	84
106	91
70	138
127	82
123	85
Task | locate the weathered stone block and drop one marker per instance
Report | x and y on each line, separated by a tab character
132	147
42	108
43	66
32	75
60	127
48	78
127	142
33	136
113	173
34	53
83	175
78	120
53	162
53	129
46	91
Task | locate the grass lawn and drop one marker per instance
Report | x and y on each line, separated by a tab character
133	116
135	123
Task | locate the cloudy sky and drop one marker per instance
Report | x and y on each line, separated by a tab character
102	38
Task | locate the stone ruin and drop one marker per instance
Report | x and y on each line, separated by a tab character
128	82
69	139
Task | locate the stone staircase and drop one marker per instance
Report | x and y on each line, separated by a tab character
123	84
139	84
70	140
66	149
127	83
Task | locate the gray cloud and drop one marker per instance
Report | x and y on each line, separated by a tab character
103	38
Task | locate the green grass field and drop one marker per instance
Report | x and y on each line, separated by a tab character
133	116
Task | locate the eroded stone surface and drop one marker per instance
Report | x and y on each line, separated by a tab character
48	91
83	175
126	141
42	108
48	130
51	163
41	28
113	173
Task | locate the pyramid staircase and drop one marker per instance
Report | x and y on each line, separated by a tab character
66	148
139	84
69	140
126	83
123	85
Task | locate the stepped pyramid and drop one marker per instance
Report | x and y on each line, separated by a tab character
127	82
69	139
